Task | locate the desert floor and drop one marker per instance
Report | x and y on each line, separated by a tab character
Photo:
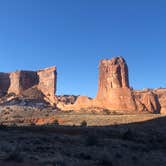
118	142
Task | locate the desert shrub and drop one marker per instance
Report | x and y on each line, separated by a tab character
53	163
118	155
91	140
55	122
13	125
58	161
11	94
84	156
17	116
32	124
106	111
114	113
47	114
15	155
6	113
128	135
134	158
83	123
25	109
2	126
105	159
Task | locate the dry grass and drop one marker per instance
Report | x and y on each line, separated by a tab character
24	115
142	143
81	139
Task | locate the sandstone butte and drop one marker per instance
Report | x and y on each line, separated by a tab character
114	92
20	82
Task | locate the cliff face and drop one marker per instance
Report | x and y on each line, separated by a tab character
113	74
47	83
113	87
161	97
147	100
114	92
20	81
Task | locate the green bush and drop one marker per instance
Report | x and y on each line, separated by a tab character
83	123
56	122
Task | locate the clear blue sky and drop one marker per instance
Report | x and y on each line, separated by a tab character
75	34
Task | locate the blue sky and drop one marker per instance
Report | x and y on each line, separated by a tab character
75	34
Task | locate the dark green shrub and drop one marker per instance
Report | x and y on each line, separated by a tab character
128	135
15	156
91	140
2	126
83	123
106	111
56	122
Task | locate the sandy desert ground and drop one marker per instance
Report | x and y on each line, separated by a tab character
113	144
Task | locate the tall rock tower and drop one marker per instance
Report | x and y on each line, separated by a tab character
113	89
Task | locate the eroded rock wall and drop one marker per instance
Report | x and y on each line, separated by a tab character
4	82
161	96
22	80
113	74
114	92
47	83
113	88
147	100
19	81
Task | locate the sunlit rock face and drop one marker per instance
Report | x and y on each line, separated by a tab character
147	100
114	92
113	87
112	74
161	96
47	83
20	81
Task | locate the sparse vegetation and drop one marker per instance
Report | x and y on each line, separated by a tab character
32	124
106	111
83	123
120	145
105	159
56	122
128	135
15	156
2	126
91	140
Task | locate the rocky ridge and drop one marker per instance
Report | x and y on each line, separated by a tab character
114	92
37	89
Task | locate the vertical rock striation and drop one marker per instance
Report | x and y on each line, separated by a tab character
113	88
20	81
114	92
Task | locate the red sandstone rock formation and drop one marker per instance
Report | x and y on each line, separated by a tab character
113	91
112	74
20	81
147	101
47	83
4	83
161	96
67	99
83	101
